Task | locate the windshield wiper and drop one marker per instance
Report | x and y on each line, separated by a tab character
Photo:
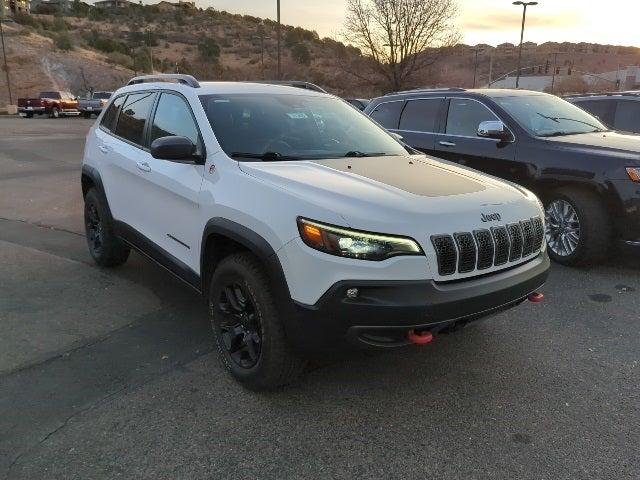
557	120
265	157
359	154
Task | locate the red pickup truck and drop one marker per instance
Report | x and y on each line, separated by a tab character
55	104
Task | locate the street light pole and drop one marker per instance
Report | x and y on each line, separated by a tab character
475	67
279	35
524	16
4	55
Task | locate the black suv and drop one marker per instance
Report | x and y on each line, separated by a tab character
587	175
620	111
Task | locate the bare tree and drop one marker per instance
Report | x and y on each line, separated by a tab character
399	36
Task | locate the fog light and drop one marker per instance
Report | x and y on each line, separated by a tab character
352	292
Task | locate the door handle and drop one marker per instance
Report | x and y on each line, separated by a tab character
447	144
144	166
103	149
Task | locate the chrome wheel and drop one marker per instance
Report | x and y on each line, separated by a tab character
562	228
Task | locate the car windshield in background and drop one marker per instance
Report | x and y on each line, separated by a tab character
102	95
294	127
549	116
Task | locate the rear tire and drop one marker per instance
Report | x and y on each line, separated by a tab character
248	332
106	249
587	240
86	115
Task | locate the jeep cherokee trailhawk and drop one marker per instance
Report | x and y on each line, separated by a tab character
304	223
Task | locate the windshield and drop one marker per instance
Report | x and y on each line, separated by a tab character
293	127
102	95
548	116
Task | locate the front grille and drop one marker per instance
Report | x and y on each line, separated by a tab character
515	237
485	248
528	237
446	253
501	239
538	233
465	252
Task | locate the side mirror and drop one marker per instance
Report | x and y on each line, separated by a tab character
493	129
397	136
173	148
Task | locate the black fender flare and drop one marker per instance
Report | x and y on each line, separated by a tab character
253	242
91	173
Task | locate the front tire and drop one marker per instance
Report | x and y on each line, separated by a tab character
106	249
248	332
55	113
578	229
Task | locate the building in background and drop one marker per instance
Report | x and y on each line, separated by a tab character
8	8
111	4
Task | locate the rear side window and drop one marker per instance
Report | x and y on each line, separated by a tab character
627	116
421	115
133	117
173	117
110	116
388	114
465	117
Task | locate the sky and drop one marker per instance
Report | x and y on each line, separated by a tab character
480	21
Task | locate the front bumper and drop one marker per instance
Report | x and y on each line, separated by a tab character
384	311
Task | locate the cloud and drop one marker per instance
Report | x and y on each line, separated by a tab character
506	21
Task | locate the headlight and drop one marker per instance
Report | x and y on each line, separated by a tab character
353	243
634	174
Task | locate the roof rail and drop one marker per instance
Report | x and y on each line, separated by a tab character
293	83
419	90
166	77
631	93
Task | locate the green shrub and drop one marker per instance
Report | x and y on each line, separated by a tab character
118	58
209	49
301	54
63	41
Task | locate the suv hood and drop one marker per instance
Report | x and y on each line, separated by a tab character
623	145
394	194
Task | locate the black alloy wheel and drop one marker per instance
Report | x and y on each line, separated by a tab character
95	233
239	325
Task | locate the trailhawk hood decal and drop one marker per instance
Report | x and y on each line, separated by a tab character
374	193
411	175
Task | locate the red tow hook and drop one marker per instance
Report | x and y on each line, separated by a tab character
536	297
421	338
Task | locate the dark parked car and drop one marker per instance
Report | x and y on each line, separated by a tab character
359	103
587	175
620	111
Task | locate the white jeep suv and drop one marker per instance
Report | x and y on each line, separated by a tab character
305	224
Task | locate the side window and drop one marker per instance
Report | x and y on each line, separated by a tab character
465	116
108	121
599	108
627	116
133	117
388	114
173	117
421	115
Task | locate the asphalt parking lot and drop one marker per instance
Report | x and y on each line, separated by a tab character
112	374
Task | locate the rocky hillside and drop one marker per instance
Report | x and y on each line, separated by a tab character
101	50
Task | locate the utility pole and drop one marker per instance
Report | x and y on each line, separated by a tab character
490	69
4	56
555	69
524	16
261	35
475	67
279	36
